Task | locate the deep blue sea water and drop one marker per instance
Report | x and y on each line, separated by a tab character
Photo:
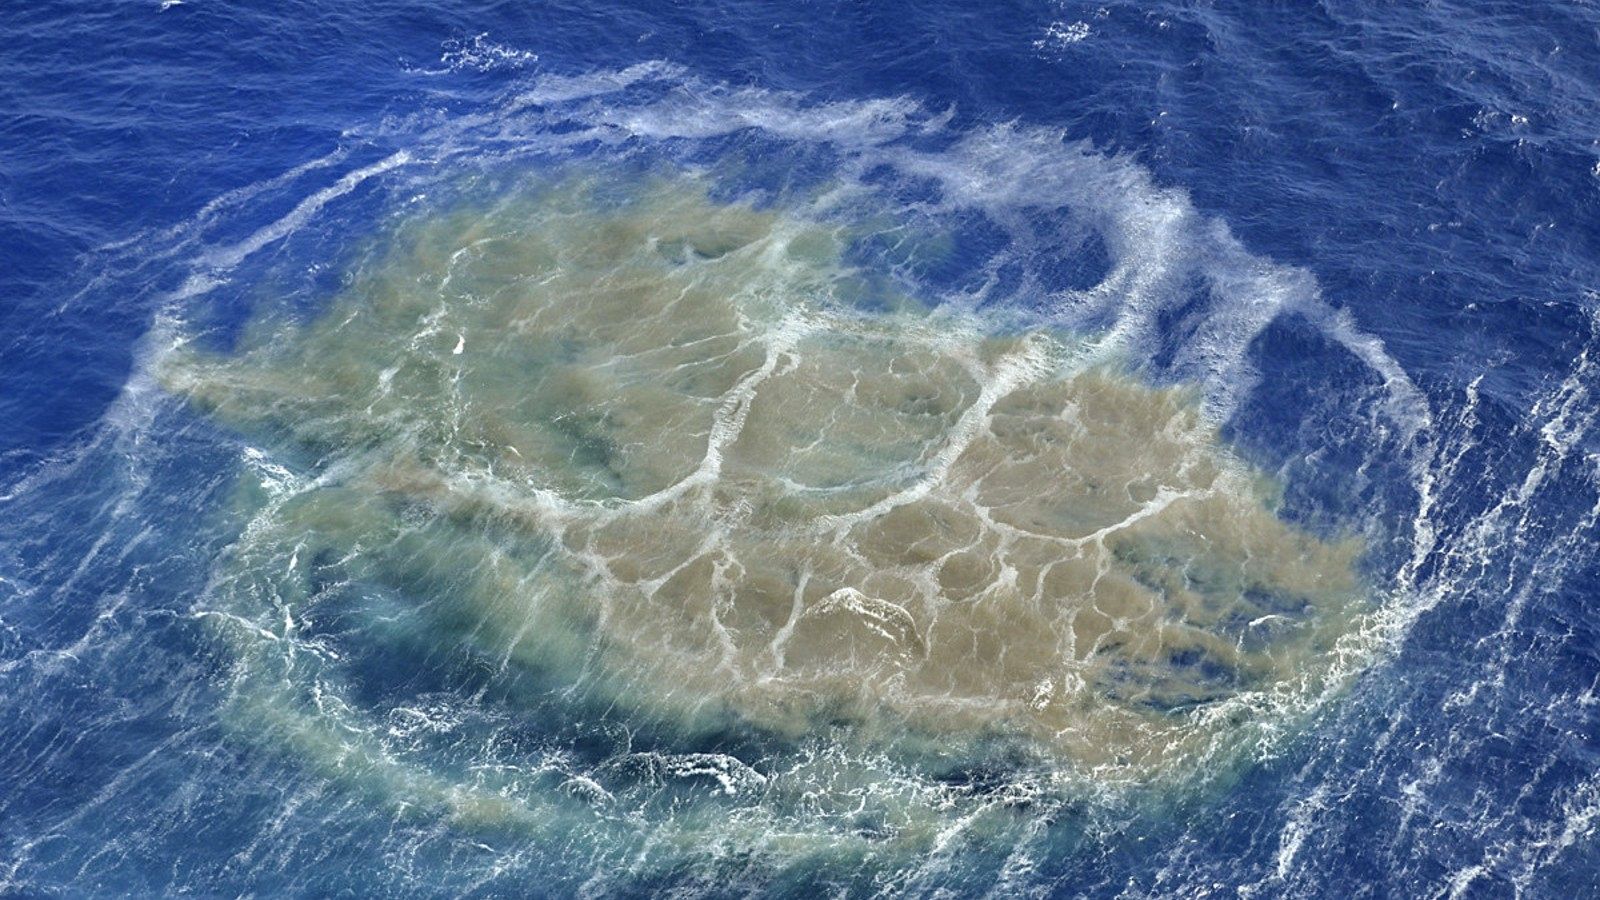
1364	232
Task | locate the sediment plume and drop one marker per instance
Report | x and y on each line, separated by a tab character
658	443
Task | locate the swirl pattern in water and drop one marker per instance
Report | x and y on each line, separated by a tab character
661	449
832	449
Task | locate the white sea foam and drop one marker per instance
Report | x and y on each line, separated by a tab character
563	88
1453	561
214	264
482	54
1061	35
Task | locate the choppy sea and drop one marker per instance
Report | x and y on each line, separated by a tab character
291	606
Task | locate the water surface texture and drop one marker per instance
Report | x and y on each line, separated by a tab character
906	449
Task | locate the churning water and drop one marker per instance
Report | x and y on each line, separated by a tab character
587	473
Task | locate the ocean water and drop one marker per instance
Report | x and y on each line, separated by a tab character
892	449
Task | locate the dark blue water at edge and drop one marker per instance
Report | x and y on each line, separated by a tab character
1434	167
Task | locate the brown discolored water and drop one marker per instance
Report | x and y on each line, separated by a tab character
652	441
